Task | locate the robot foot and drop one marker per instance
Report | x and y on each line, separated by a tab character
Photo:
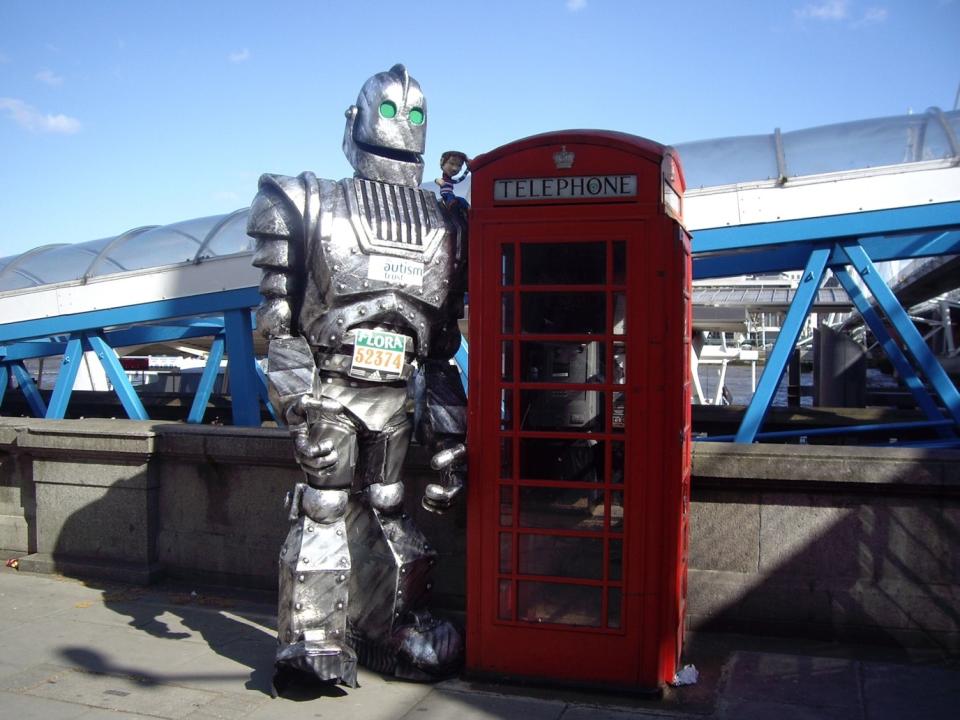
335	664
425	650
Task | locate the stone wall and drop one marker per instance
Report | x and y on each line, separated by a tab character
832	542
854	543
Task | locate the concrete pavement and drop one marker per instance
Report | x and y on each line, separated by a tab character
74	650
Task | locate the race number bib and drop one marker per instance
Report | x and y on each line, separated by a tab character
379	350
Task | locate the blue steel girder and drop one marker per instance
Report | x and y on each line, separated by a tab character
69	367
142	335
121	383
776	363
207	380
837	256
794	256
916	347
916	220
29	389
4	380
160	310
900	363
244	391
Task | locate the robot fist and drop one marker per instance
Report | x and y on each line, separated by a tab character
315	447
439	498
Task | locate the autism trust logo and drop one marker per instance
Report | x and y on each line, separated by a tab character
563	158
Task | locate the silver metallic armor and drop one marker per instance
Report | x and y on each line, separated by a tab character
363	283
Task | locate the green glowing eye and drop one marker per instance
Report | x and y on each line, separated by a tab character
416	116
388	109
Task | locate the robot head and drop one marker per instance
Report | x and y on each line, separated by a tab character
387	128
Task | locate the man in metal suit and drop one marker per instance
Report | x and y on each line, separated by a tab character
363	283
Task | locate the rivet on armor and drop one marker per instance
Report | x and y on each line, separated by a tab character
340	321
380	304
326	362
298	606
339	532
301	578
336	632
399	593
436	298
340	605
353	251
366	284
403	571
446	282
305	560
343	561
329	381
362	311
341	577
339	286
309	528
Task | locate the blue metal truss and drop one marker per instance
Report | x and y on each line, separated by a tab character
846	244
226	316
842	244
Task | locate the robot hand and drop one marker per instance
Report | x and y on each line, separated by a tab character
439	498
315	455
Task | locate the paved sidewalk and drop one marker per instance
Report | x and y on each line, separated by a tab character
70	650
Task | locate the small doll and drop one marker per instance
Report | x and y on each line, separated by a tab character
451	163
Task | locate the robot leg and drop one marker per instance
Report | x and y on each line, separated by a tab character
390	627
315	569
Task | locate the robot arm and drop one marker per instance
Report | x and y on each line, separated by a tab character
441	409
276	223
280	223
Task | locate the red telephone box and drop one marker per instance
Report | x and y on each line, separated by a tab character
579	431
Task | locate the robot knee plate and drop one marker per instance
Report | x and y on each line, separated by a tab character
324	506
385	498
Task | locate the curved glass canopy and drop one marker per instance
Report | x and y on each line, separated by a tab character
844	147
849	146
191	241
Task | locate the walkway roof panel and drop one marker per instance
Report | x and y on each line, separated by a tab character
857	145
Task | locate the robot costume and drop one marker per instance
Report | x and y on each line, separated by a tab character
363	283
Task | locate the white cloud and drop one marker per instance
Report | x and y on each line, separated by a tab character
48	77
29	118
830	10
576	5
874	15
239	56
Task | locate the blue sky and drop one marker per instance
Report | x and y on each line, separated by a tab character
116	114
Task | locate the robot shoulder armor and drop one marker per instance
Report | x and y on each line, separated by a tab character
279	206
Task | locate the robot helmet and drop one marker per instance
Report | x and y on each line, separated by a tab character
387	129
